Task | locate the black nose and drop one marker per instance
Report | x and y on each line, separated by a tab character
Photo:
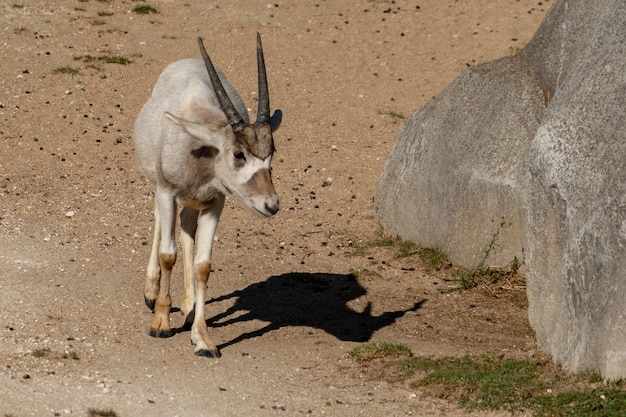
272	209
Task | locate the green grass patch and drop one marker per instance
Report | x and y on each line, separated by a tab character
485	277
404	248
145	9
591	376
609	401
384	242
107	59
488	383
40	353
342	234
95	412
103	14
359	251
494	279
481	382
66	70
392	114
490	276
433	258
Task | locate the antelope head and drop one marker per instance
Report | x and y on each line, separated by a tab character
243	151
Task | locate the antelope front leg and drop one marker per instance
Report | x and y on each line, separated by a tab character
207	225
160	326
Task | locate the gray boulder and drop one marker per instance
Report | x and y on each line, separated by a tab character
458	174
531	151
577	192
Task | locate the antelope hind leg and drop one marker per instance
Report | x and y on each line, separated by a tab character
153	270
188	225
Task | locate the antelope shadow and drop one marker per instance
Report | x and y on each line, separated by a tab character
317	300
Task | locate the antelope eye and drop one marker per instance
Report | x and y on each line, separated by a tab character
240	156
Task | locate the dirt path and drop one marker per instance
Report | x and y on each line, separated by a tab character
76	219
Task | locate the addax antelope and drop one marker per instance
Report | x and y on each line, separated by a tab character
195	144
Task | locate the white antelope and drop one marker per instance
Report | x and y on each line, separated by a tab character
195	143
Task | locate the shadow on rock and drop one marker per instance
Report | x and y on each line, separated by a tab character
301	299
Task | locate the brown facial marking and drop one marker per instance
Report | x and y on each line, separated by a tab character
205	152
261	183
257	139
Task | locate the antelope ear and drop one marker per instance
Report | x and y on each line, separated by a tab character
275	120
205	132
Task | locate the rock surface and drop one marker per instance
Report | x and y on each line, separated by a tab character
577	192
488	160
457	175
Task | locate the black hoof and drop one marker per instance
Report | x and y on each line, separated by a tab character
209	353
162	334
150	303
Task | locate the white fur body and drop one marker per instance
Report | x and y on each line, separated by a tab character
192	156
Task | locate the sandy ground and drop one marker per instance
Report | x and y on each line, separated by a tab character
289	298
